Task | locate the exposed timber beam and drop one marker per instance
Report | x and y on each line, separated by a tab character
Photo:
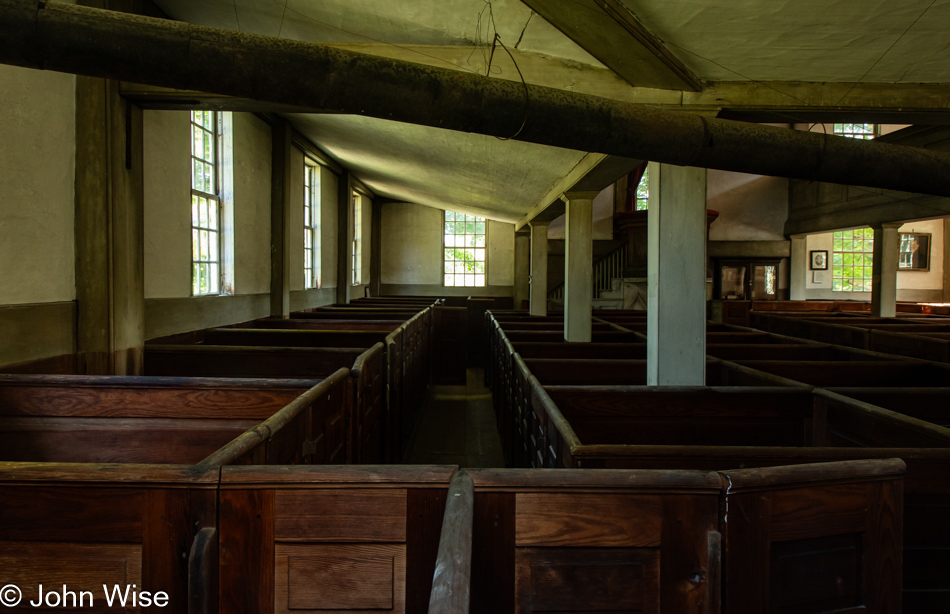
610	32
593	173
95	42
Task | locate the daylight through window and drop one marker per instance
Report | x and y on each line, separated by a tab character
311	224
356	249
205	203
643	191
464	247
856	131
852	260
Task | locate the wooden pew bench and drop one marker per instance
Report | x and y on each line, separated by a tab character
591	427
881	373
342	539
671	541
149	420
366	397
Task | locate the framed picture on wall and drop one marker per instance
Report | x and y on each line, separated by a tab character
915	251
819	260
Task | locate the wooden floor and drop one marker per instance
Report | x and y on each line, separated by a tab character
457	427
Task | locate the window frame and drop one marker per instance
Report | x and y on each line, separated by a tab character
867	260
849	131
212	201
356	244
445	249
312	227
643	188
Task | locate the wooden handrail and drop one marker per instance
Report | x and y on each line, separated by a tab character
451	582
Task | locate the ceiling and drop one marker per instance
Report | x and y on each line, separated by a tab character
795	51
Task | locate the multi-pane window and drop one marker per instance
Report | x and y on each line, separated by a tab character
311	225
205	203
643	191
852	259
464	248
856	131
356	249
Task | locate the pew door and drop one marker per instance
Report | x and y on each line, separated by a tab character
811	539
594	541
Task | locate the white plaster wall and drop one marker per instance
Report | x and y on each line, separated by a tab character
411	244
295	233
412	247
925	280
751	207
167	181
252	195
330	186
501	253
37	155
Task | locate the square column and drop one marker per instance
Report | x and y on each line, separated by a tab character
798	268
539	269
522	268
887	247
676	286
578	265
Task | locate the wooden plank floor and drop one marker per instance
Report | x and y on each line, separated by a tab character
457	427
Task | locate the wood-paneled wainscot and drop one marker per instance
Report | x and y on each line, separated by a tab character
330	539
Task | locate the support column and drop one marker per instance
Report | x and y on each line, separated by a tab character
887	248
676	305
946	259
578	265
539	269
798	268
522	268
109	231
280	218
344	261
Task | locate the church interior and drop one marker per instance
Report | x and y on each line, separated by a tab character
481	305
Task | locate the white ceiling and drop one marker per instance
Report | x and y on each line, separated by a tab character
875	41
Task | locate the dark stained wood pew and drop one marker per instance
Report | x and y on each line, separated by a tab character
342	539
386	326
148	420
354	314
294	338
838	428
557	336
791	351
928	404
652	541
856	373
366	412
528	349
926	346
89	525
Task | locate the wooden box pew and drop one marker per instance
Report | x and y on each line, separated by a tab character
556	326
880	373
89	525
365	398
341	539
747	337
386	326
927	404
294	337
354	314
528	349
853	430
557	336
926	346
149	420
792	351
518	541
